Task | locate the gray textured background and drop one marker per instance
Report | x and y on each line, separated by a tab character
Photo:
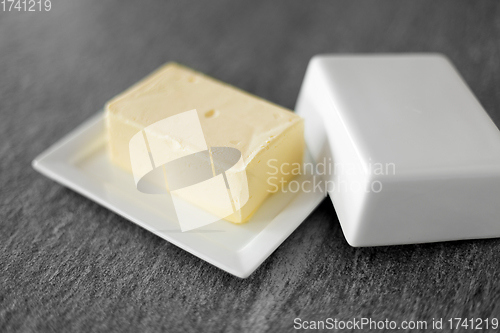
67	264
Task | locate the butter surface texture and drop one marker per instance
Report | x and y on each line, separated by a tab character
229	117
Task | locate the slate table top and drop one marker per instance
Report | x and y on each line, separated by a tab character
70	265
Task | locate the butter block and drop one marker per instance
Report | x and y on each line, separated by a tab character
229	117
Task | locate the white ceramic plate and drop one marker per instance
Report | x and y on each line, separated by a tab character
80	162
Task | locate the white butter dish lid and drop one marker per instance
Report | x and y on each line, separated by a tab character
410	155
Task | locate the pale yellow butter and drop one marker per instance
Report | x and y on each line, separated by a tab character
229	117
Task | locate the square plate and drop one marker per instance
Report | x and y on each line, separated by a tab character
80	162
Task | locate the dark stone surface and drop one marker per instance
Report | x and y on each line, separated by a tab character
67	264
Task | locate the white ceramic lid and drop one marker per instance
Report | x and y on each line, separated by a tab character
413	157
